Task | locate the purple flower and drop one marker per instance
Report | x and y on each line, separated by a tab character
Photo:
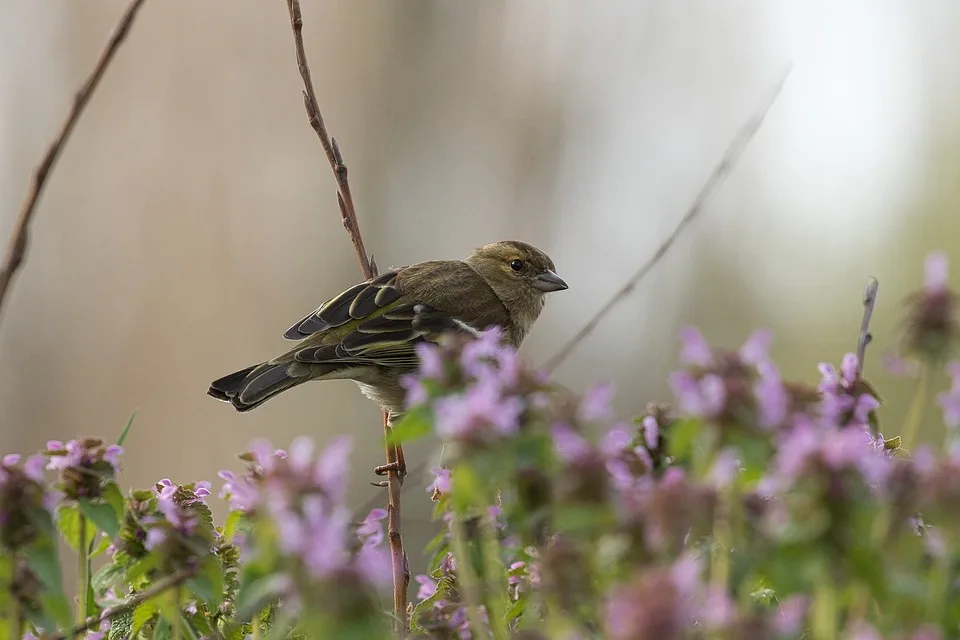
755	349
442	481
725	468
568	444
371	529
33	467
472	413
790	615
595	404
771	396
417	394
651	432
112	455
428	586
332	467
704	398
241	492
695	350
73	456
949	400
936	273
431	363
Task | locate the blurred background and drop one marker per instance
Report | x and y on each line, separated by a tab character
192	217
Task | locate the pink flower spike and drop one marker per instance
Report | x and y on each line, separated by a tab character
755	349
936	271
695	349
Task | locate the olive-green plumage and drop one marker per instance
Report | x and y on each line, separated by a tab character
369	332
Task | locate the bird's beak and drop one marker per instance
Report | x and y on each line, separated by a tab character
549	281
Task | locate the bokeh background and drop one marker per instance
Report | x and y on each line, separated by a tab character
192	217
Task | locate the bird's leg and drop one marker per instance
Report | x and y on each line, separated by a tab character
397	463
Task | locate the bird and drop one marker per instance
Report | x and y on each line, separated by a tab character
369	333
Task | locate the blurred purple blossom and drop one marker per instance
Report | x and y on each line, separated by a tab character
694	350
936	273
595	406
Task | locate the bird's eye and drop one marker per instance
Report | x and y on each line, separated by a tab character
516	265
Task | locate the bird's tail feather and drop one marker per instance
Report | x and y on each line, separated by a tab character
249	388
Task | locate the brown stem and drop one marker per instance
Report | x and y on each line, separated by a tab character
344	198
16	252
172	581
869	303
721	171
348	215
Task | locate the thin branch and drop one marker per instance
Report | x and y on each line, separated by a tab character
172	581
16	252
869	302
717	176
348	214
395	466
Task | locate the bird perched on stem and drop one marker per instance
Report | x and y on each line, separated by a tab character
369	332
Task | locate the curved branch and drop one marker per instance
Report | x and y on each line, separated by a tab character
16	252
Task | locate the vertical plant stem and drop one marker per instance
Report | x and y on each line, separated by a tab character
177	621
467	577
493	571
722	541
915	416
83	572
825	609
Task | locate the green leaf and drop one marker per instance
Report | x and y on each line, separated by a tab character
44	561
121	626
232	524
126	428
256	595
106	577
68	522
414	425
683	433
112	496
57	607
468	488
208	582
102	546
101	514
143	614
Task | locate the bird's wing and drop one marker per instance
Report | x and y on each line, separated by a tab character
356	303
380	321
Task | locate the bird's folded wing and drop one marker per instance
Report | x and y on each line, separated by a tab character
389	340
356	303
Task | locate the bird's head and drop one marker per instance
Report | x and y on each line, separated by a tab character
516	269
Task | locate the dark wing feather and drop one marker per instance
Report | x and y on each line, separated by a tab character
359	301
380	322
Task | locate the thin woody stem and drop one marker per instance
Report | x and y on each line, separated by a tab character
393	468
17	250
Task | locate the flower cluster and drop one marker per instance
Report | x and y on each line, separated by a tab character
84	465
293	504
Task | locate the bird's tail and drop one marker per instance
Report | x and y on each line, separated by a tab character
249	388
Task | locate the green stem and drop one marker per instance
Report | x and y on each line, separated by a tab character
937	585
825	610
915	416
83	572
177	622
495	589
468	578
722	534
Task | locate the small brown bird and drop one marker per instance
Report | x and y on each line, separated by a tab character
369	332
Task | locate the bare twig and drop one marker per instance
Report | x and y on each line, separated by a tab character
16	252
869	302
719	173
394	466
345	200
172	581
